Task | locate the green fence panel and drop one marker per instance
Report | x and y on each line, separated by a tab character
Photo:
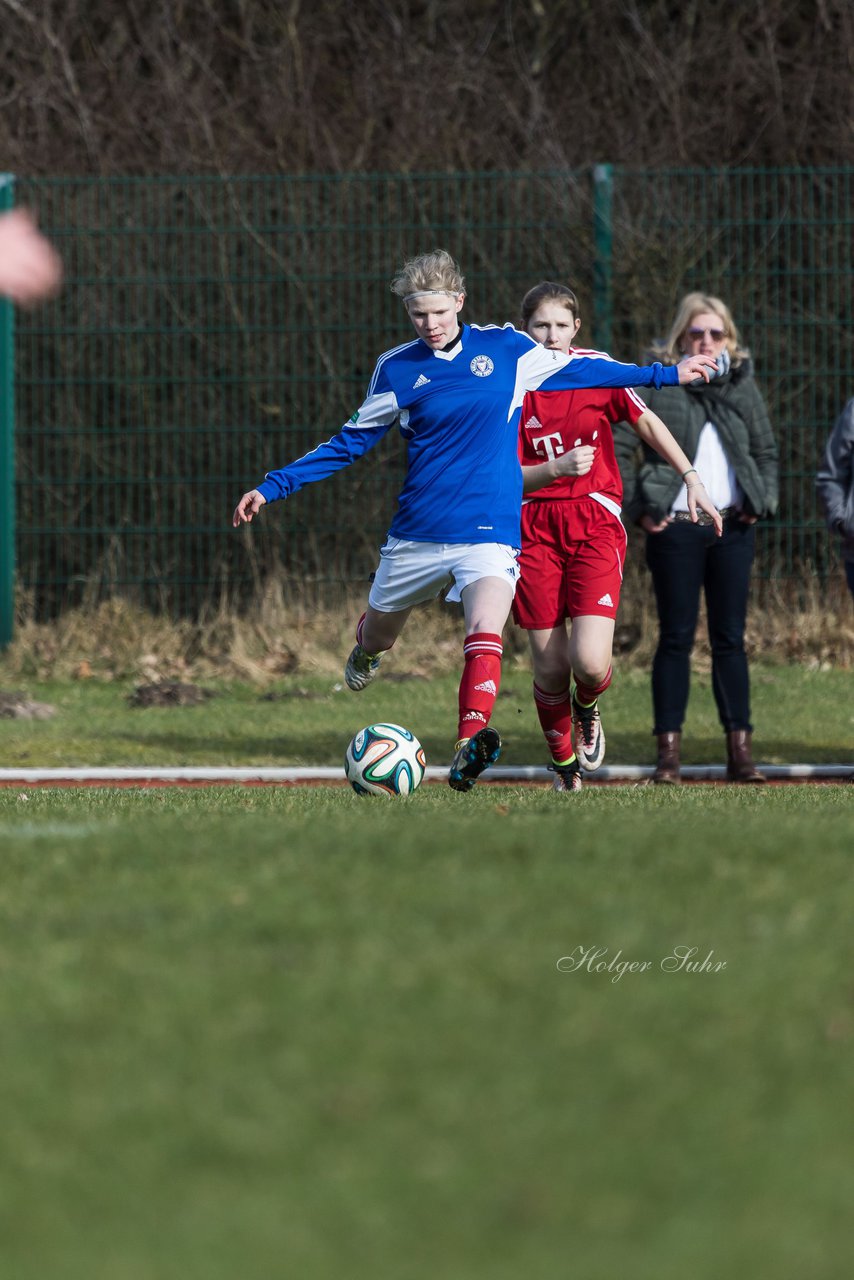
213	328
7	446
777	246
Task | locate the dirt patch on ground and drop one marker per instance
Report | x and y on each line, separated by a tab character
17	706
169	693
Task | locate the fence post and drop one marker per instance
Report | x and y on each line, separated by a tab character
603	180
7	444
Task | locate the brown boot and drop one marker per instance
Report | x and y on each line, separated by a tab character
739	763
667	769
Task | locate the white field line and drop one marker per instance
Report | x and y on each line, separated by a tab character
499	773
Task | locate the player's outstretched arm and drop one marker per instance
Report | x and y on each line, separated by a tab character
248	506
30	267
694	367
540	369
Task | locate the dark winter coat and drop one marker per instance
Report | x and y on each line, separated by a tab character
734	406
835	480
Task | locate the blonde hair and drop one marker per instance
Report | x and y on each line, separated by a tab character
435	272
694	304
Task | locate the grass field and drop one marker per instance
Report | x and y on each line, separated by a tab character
262	1032
257	1032
801	716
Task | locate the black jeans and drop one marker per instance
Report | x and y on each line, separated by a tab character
685	559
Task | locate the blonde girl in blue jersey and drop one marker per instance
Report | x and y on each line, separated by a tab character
455	393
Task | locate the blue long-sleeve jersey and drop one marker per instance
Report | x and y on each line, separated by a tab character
458	410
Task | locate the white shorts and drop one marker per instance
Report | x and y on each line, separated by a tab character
411	572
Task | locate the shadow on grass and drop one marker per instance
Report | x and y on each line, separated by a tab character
524	747
322	748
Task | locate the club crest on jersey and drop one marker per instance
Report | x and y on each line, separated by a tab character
481	366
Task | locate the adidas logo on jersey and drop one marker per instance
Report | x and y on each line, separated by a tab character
421	382
606	600
532	423
488	686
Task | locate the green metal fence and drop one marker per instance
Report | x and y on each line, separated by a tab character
210	329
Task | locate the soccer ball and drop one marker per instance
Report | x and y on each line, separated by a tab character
384	760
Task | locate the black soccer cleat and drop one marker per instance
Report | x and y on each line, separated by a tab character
473	756
567	777
588	735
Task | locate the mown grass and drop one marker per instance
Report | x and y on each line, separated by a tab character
262	1032
253	1032
801	716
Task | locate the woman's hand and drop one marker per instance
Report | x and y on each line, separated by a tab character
575	462
649	525
698	499
248	506
694	367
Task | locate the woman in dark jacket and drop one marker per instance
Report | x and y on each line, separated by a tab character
724	429
835	484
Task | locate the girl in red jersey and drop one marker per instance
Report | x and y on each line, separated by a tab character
573	540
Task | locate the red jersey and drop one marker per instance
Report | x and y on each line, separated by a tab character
553	422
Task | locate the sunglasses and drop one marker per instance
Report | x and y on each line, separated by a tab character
716	335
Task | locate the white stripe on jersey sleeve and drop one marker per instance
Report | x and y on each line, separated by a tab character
532	368
603	355
386	355
636	400
539	366
378	410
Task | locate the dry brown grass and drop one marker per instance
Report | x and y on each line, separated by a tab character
805	622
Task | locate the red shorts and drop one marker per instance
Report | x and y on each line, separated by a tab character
571	561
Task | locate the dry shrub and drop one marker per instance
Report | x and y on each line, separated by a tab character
151	86
286	630
277	635
809	622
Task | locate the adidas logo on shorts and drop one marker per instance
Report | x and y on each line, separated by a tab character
606	600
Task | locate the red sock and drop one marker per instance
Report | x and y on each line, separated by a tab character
479	685
555	712
587	694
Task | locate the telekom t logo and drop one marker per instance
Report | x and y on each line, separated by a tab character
548	446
